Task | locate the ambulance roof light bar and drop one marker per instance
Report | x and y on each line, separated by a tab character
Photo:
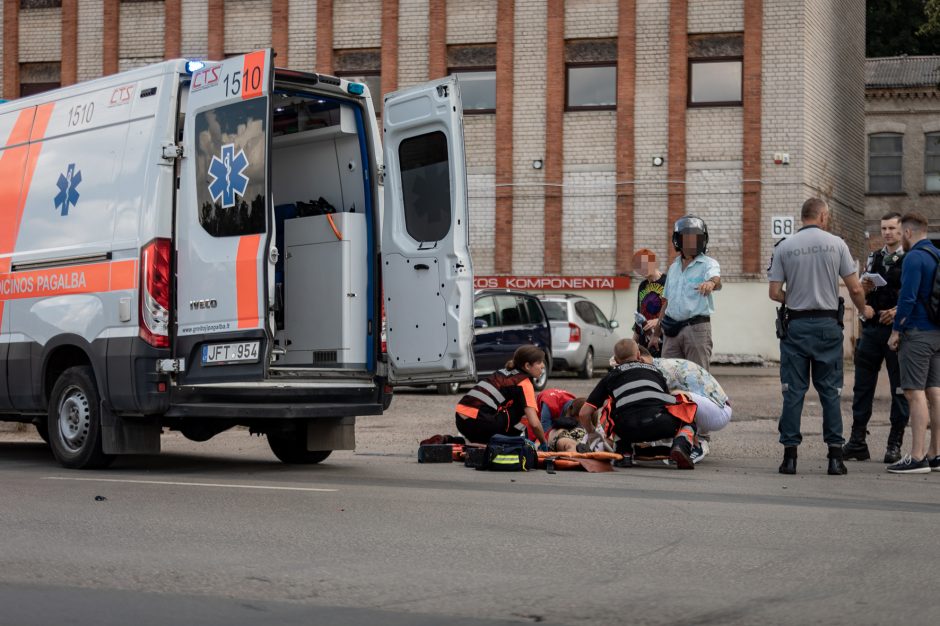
194	66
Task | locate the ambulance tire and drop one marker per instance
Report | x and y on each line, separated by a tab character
74	424
292	449
587	368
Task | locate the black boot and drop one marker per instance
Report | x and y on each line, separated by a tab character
856	448
789	460
836	466
893	449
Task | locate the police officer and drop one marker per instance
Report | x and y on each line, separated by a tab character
810	264
873	348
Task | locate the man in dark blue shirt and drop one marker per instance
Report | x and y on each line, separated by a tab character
919	341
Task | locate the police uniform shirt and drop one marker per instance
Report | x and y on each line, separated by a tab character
635	389
888	265
811	263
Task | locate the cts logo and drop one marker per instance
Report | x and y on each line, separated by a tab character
205	78
121	95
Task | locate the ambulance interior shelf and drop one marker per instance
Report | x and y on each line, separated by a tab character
321	235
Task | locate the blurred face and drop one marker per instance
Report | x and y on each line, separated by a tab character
689	244
646	265
534	369
891	231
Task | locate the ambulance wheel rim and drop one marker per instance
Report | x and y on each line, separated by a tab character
74	418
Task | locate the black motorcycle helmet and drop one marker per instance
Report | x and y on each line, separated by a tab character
690	225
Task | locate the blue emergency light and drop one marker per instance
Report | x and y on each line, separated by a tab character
356	89
194	66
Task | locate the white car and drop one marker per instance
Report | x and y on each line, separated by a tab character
582	336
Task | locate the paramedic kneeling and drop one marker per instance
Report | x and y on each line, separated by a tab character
640	400
504	403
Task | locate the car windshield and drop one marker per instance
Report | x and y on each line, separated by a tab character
555	310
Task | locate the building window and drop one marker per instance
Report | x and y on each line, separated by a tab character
40	4
932	162
477	89
715	82
715	69
885	152
361	66
39	77
475	67
590	74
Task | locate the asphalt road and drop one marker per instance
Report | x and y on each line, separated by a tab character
221	533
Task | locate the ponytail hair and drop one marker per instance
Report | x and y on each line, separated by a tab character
523	355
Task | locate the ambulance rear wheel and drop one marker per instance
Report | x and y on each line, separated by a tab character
74	423
291	448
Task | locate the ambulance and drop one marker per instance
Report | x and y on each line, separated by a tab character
195	246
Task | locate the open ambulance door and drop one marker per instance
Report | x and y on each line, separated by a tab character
426	272
224	222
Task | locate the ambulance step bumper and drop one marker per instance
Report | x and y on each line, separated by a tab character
272	410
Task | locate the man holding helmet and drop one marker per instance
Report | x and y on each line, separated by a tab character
690	281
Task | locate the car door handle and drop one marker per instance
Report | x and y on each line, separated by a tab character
421	266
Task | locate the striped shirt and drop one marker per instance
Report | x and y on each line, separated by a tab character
635	389
504	390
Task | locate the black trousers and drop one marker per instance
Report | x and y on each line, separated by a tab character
485	425
632	428
871	350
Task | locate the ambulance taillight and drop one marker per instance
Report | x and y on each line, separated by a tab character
155	293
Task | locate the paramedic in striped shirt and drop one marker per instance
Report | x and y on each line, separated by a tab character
640	402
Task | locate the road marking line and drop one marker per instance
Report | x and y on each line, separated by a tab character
165	482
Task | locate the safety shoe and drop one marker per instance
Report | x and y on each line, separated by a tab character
892	453
856	450
789	460
934	463
907	465
836	466
681	454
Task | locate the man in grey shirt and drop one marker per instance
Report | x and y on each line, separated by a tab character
811	263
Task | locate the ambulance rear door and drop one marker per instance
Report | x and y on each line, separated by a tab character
223	223
426	272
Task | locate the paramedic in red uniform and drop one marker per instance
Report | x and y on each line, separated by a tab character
504	403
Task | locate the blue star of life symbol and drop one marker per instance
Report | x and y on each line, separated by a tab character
68	189
227	175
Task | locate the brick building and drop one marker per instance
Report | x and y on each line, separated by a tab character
591	124
902	124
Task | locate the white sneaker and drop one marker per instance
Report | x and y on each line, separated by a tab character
699	451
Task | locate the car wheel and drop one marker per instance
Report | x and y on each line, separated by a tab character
74	420
448	389
291	448
542	380
587	368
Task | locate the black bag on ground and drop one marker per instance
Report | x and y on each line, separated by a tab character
509	454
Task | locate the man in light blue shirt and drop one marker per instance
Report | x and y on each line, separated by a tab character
690	281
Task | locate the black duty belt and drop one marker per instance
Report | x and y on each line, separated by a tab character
795	315
698	319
